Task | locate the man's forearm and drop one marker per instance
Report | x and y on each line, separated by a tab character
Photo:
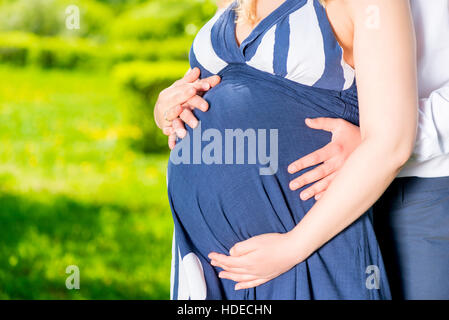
365	176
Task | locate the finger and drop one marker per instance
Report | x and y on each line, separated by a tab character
196	102
212	81
314	158
172	141
311	176
188	117
179	128
173	113
236	276
241	248
317	188
168	130
201	85
250	284
326	124
319	196
229	269
180	94
190	76
227	261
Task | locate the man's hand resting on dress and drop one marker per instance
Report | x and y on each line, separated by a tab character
345	139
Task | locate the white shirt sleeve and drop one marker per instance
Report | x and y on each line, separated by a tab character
433	129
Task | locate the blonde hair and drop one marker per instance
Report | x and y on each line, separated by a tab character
247	10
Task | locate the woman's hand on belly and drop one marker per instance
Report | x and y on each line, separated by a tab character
257	260
174	106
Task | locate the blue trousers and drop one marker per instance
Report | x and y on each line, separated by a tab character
411	221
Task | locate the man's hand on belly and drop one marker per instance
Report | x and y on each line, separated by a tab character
345	139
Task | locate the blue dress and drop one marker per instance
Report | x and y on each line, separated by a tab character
228	180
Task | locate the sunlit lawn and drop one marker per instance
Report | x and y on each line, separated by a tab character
72	192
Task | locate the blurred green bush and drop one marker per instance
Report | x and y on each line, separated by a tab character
161	19
75	107
23	49
73	191
141	82
145	44
47	17
144	20
19	48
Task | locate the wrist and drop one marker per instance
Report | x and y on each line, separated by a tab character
297	246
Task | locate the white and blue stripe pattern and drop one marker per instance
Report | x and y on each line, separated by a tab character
295	41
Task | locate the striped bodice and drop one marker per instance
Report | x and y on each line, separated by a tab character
295	41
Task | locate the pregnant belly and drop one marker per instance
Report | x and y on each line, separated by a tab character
229	176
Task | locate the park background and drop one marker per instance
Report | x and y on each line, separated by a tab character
82	165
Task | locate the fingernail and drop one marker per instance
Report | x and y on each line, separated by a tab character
206	86
181	133
194	124
304	196
220	275
318	197
294	185
292	169
237	287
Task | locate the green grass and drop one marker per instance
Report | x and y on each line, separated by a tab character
72	192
